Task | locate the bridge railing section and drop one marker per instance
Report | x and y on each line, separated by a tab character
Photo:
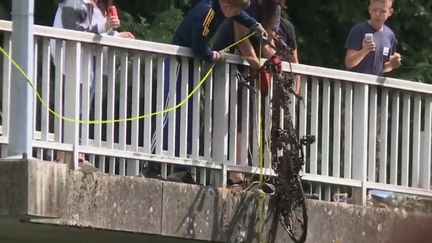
113	100
372	132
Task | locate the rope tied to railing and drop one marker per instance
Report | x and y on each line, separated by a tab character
145	116
160	112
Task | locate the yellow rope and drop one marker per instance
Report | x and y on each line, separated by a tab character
262	195
68	119
169	109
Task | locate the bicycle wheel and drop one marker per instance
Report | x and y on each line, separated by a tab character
292	210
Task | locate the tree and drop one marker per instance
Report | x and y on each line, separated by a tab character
154	26
413	24
3	12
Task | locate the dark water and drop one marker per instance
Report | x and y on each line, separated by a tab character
14	230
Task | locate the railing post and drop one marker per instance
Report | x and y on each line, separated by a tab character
7	70
425	166
21	129
72	97
220	126
360	123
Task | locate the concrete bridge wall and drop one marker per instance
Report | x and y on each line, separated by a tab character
140	205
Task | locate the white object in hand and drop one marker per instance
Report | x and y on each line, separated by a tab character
369	36
369	39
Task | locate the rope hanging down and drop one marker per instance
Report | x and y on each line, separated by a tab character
169	109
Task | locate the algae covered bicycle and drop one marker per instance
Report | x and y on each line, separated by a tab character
286	147
288	161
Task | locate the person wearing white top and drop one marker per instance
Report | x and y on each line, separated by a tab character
87	16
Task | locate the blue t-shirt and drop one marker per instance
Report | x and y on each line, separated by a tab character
385	42
201	23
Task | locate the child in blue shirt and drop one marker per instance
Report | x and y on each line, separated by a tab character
200	24
195	31
371	45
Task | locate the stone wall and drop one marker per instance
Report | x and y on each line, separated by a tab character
140	205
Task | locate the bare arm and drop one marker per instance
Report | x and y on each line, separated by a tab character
294	59
354	57
268	51
245	47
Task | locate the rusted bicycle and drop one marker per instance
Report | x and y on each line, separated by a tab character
286	147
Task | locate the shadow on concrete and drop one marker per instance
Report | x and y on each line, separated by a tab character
252	220
196	208
237	217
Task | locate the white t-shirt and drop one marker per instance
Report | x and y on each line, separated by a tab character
80	15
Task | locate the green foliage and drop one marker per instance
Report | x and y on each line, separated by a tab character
153	20
164	25
151	9
322	29
3	13
412	23
159	30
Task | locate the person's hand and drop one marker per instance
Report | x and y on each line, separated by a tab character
395	60
219	56
265	81
368	45
277	63
128	35
112	22
261	32
254	63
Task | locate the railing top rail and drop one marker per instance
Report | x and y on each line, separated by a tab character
103	40
360	78
168	49
140	45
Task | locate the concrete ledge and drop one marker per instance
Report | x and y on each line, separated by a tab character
330	222
219	215
32	187
114	202
140	205
151	206
216	214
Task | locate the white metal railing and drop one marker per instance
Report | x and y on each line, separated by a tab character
372	132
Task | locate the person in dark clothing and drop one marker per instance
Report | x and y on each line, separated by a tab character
266	12
195	31
286	33
200	24
371	45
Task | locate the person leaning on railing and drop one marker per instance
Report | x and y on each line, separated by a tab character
87	16
268	13
286	33
201	23
195	31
